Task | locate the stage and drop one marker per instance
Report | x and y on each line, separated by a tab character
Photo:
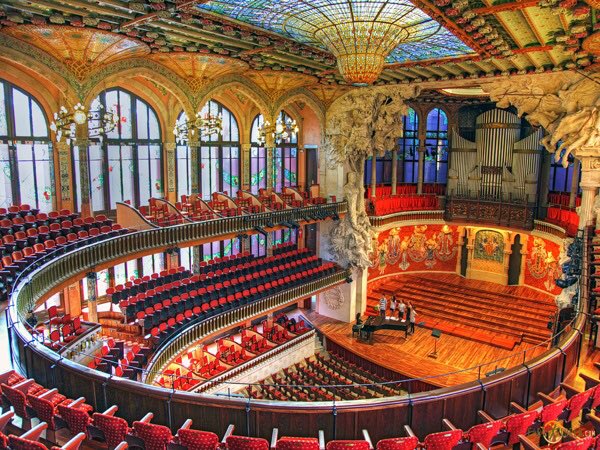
391	350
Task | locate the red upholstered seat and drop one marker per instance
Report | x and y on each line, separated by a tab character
444	440
519	424
576	403
3	441
297	443
246	443
346	445
155	437
17	443
114	428
551	411
484	433
579	444
405	443
77	418
44	409
198	440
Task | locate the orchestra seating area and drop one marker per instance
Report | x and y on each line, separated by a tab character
27	235
472	309
322	378
564	217
575	409
383	190
204	362
163	303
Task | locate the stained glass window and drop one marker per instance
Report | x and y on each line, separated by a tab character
408	155
127	164
258	245
26	162
436	147
561	177
258	158
285	159
408	149
219	157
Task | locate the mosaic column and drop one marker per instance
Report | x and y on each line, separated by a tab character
170	183
374	175
85	190
394	170
92	289
421	170
574	183
64	169
590	182
245	178
196	259
172	257
194	147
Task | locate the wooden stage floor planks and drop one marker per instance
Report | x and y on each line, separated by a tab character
409	357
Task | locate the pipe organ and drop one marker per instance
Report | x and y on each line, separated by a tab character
498	166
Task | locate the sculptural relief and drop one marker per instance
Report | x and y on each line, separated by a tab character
358	123
565	104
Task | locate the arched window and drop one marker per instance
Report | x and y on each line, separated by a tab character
26	166
408	149
436	147
258	158
561	178
126	165
408	155
285	159
220	155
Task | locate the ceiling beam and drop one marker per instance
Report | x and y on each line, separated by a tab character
511	6
150	17
429	62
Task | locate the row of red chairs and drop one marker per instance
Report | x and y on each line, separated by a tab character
406	189
57	224
562	199
385	206
564	218
165	328
17	210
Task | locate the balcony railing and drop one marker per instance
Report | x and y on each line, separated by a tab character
46	277
493	212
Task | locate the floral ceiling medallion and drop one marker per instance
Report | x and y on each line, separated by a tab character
81	49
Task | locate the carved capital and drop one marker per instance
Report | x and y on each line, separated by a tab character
170	146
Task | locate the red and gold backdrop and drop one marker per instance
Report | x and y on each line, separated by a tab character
415	248
541	265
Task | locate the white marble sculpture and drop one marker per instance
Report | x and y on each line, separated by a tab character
359	122
565	104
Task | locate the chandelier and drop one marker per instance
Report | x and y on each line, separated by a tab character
280	132
99	121
203	124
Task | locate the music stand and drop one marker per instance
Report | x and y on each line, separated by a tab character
435	333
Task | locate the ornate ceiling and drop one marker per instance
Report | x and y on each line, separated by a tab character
200	42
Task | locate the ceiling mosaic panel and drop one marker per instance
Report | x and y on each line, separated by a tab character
81	49
197	69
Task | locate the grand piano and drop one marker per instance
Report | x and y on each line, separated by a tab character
374	323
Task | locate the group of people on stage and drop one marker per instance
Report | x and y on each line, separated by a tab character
397	306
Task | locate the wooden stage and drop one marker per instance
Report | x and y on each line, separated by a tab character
471	310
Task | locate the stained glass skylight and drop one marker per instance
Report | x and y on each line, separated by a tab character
362	34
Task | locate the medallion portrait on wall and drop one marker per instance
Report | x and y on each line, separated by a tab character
334	298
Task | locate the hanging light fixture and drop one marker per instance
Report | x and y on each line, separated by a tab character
281	131
203	124
99	121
